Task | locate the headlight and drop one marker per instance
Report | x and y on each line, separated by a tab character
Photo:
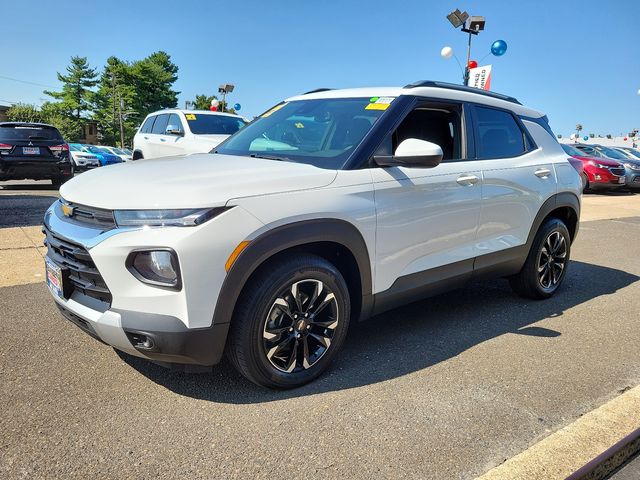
160	218
597	165
155	267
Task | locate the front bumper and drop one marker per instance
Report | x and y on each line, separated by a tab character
159	324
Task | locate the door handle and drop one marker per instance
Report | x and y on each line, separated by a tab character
467	180
542	173
162	140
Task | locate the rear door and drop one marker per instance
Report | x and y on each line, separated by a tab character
517	178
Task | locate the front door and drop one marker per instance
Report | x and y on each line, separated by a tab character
427	218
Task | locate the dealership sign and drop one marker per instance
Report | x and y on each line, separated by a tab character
480	77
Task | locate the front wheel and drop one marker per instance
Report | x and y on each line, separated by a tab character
290	322
547	262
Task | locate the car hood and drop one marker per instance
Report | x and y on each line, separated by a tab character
191	181
602	161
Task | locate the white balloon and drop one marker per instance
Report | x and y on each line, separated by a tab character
446	52
215	103
572	136
638	92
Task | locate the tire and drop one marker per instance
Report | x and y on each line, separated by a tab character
585	183
542	273
269	329
58	181
137	155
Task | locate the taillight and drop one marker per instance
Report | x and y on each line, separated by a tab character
5	148
577	164
57	150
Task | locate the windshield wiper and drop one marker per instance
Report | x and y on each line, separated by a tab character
269	157
37	137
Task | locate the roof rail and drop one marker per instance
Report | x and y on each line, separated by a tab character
461	88
317	90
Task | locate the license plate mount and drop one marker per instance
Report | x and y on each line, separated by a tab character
54	277
31	150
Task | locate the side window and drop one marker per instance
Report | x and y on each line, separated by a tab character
435	123
160	125
148	125
498	134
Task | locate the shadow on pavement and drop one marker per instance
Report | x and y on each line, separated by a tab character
23	210
410	338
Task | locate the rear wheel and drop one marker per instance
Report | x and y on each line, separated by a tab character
547	262
585	182
290	322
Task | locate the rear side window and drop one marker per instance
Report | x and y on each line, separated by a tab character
498	134
28	132
148	125
160	125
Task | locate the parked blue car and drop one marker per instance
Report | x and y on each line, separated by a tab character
104	156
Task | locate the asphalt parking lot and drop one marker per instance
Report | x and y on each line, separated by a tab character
450	387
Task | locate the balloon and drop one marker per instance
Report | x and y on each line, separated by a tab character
237	107
446	52
572	136
625	139
585	138
215	103
213	108
499	48
638	92
473	64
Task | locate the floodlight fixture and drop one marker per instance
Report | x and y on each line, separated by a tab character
226	88
457	18
475	25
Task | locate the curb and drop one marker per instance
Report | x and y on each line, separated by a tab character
611	459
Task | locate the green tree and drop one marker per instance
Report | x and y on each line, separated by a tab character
76	98
203	102
25	112
132	90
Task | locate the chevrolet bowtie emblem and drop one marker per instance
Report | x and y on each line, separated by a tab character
67	210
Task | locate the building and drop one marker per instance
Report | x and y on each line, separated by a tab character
89	133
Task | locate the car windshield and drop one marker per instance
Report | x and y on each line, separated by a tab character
11	132
211	124
611	153
633	151
574	152
321	132
119	151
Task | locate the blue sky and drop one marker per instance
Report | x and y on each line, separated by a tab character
577	61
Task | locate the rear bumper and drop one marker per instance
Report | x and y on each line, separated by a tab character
18	169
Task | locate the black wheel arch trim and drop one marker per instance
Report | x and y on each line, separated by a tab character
288	236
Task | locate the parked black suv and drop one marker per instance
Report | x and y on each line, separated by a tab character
33	150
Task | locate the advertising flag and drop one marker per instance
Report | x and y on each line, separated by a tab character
480	77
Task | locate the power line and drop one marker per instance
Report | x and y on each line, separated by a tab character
27	82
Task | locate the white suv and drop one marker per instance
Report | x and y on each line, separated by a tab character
331	207
179	132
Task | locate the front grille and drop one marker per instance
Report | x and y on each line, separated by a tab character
92	216
78	268
617	171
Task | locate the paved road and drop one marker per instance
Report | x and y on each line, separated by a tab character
445	388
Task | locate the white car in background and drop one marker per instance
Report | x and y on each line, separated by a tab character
82	159
122	153
179	132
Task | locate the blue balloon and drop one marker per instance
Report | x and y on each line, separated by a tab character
585	138
499	48
237	107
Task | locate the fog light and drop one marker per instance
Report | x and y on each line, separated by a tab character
156	267
598	177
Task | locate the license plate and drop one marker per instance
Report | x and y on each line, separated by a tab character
31	150
54	277
621	180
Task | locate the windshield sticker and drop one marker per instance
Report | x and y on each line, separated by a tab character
299	125
190	116
273	110
379	103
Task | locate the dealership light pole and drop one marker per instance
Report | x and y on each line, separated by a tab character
224	89
471	25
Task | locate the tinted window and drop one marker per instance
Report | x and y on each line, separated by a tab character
439	124
31	132
574	152
160	125
148	125
499	135
174	121
207	124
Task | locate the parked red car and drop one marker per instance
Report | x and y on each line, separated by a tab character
599	173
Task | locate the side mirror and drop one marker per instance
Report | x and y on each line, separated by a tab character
412	152
173	130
